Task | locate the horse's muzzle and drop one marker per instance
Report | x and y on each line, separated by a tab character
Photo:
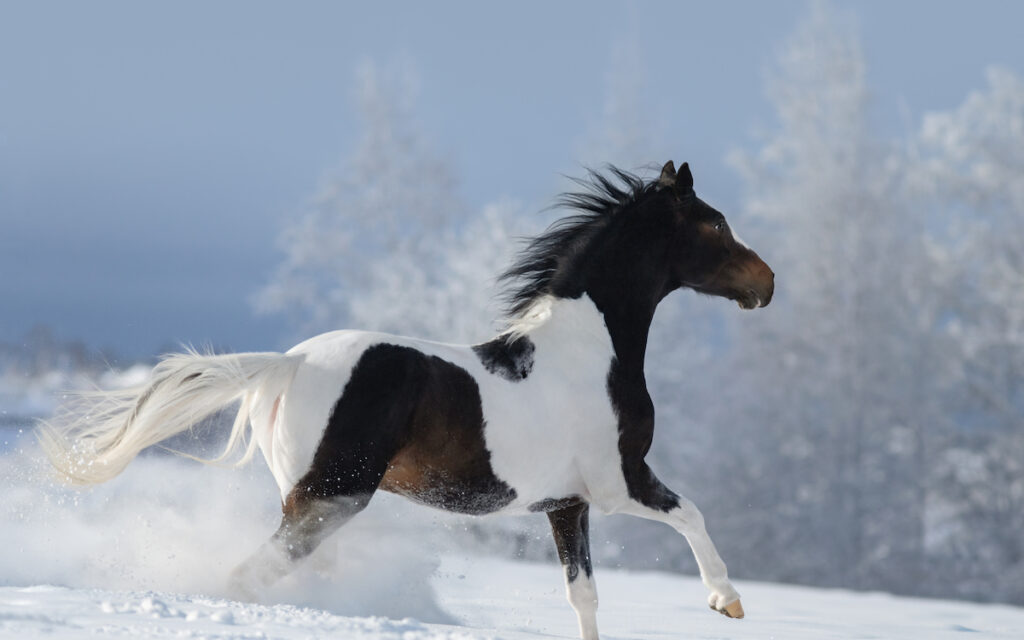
760	289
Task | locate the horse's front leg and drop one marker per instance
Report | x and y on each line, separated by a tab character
649	498
572	539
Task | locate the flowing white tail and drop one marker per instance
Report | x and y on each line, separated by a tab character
99	433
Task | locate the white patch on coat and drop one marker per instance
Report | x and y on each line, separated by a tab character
582	595
736	237
551	435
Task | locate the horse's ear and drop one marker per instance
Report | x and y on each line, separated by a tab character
684	179
668	175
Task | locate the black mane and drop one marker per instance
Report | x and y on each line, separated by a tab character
545	265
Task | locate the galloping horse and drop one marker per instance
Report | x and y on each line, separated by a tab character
551	416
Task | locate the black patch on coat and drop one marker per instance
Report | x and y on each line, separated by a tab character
510	360
548	505
635	410
412	424
571	529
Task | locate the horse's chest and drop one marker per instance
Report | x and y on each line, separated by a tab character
544	431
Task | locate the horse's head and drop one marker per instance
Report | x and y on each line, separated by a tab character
632	242
704	253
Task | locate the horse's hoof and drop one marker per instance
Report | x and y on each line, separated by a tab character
733	609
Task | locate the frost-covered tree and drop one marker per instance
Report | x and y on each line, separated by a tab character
387	244
878	399
831	398
391	197
969	173
453	298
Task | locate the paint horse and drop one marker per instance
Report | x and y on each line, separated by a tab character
551	416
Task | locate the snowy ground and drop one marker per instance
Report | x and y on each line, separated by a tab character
127	559
501	599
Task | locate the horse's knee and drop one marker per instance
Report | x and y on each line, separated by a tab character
683	515
687	516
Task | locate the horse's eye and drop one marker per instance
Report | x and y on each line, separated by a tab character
720	226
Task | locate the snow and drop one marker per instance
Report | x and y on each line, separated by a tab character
147	556
494	598
46	611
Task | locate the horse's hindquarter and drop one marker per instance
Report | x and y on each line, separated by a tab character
439	455
290	435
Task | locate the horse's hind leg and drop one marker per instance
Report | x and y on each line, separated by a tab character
364	432
345	473
307	521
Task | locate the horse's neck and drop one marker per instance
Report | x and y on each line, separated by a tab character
579	328
628	327
572	328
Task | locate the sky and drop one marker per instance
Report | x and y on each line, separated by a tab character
151	153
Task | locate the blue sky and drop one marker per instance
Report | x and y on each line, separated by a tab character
151	153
